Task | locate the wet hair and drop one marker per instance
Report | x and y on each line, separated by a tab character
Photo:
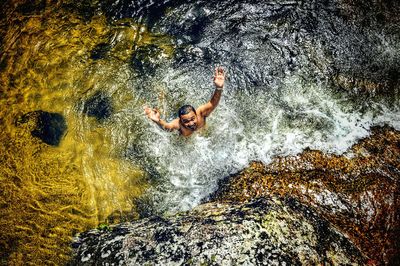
184	110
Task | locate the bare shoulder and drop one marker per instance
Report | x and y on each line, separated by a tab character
204	109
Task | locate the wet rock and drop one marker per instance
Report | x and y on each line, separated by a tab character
100	51
145	59
99	106
358	85
358	192
49	127
269	231
145	10
264	42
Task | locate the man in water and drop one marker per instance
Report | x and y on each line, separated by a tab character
190	119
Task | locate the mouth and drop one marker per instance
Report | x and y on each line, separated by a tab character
192	127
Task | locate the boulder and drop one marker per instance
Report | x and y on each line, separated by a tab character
99	106
268	231
357	192
49	127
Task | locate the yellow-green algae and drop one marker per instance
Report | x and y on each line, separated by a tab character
50	193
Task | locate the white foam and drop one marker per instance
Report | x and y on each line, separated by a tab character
256	127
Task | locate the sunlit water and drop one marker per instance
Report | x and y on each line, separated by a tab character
124	166
255	126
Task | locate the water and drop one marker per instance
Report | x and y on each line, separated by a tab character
49	193
299	75
255	127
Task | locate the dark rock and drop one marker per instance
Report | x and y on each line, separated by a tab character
268	233
99	106
146	59
100	51
145	10
49	127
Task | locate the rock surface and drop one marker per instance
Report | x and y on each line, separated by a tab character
49	127
98	106
357	192
269	231
100	51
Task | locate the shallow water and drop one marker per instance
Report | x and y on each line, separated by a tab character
298	76
50	193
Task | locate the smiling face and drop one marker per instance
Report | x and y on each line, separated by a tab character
189	120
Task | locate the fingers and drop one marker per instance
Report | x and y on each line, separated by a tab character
149	111
222	72
219	71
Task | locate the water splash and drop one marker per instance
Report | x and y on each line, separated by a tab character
245	127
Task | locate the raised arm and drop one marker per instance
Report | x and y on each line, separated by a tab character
154	115
219	80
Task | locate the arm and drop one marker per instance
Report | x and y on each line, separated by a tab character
154	115
219	80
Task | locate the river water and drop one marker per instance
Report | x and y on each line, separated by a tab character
299	75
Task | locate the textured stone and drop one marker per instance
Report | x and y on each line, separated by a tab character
358	192
269	231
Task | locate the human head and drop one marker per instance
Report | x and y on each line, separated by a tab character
188	117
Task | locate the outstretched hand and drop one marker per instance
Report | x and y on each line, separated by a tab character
153	114
219	77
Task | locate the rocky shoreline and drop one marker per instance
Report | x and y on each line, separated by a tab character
312	208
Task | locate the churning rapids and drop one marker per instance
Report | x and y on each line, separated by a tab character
289	68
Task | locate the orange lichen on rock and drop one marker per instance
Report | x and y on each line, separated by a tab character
358	191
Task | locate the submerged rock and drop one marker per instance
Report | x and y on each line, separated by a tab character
99	106
269	231
100	51
49	127
357	192
146	59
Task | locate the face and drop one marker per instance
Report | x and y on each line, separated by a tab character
189	121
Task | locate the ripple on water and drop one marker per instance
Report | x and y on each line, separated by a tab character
52	63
